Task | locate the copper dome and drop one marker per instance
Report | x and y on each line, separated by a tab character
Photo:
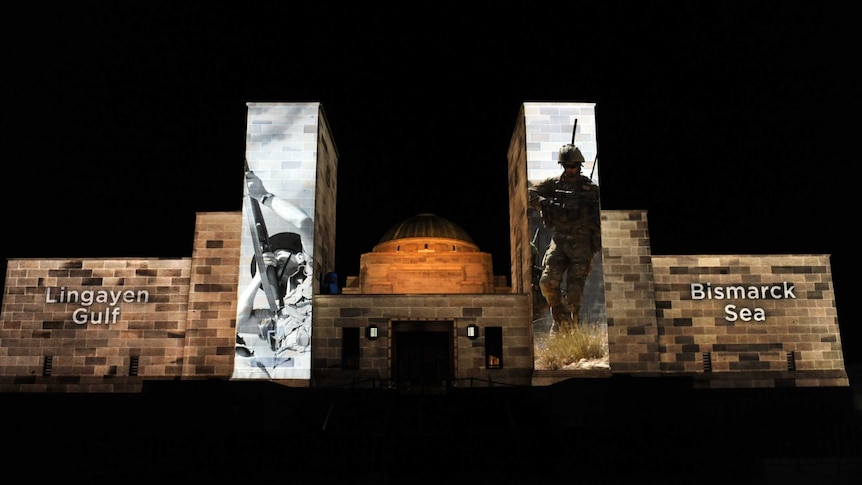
426	225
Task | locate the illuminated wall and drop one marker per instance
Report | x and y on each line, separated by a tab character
784	335
542	130
92	325
289	155
109	325
452	314
657	324
425	254
747	314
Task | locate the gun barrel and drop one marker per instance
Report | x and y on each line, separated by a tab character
260	240
574	129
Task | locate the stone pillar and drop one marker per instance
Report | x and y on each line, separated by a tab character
290	149
630	293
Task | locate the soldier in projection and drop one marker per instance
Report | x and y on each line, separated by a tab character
569	204
269	337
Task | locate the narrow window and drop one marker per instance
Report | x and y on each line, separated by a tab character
350	348
494	347
48	365
791	361
133	365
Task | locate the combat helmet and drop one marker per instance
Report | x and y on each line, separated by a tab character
570	155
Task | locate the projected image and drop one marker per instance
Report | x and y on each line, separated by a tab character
569	317
274	306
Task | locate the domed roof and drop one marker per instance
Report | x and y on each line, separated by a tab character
426	225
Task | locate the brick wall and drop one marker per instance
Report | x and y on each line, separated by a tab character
326	193
444	266
105	346
186	327
211	333
288	145
629	292
656	327
519	231
779	328
333	313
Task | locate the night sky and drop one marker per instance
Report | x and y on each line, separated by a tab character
732	123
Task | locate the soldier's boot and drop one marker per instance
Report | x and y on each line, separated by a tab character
560	312
576	312
576	279
562	317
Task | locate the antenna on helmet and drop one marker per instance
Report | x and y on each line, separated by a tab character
573	131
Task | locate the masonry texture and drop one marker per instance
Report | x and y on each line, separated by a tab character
211	333
783	332
508	312
721	321
186	330
291	147
424	265
629	292
44	347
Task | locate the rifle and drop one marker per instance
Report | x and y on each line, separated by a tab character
596	161
260	239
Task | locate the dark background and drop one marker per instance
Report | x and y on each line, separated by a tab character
732	123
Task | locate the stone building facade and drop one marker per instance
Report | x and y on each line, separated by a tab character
186	328
723	321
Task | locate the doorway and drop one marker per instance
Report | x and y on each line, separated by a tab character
422	356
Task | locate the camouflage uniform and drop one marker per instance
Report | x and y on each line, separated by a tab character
571	207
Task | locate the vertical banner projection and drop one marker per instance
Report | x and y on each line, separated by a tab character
569	315
274	310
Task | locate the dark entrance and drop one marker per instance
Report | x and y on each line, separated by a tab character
422	356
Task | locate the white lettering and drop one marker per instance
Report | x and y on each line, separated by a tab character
705	291
107	316
110	315
759	315
788	290
88	297
775	292
735	292
79	316
729	314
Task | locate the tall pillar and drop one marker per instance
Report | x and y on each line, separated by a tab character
542	129
289	196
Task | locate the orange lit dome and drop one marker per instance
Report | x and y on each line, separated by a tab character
424	233
424	254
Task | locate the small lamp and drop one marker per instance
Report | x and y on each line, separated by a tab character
472	331
371	332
